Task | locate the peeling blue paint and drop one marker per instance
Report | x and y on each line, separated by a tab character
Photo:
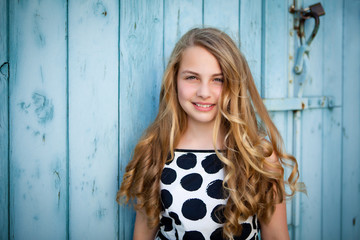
24	106
44	108
38	33
100	9
101	212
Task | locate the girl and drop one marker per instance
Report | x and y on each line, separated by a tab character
204	169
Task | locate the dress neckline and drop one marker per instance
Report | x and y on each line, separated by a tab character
196	150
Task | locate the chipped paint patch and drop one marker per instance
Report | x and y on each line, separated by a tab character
44	108
24	107
101	212
38	33
93	188
100	9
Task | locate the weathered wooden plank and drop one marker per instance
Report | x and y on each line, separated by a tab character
93	118
229	20
332	82
275	52
275	69
141	68
312	143
311	210
275	57
38	188
250	36
351	118
4	127
179	17
292	206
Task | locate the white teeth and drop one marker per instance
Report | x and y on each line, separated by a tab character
204	106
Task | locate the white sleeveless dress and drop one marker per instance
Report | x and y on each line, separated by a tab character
193	198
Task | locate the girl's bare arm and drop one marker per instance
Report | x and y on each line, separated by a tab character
277	228
141	229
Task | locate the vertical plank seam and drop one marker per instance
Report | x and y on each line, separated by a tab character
342	120
239	22
67	127
322	135
163	36
202	13
263	35
118	130
8	112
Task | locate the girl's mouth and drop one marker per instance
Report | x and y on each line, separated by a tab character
204	107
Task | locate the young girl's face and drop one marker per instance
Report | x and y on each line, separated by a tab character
199	84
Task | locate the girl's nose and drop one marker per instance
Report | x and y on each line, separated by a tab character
203	90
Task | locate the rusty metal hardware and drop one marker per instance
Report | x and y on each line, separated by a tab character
314	11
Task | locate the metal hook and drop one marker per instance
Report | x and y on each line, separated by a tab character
313	11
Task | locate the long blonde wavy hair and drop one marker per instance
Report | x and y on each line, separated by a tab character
254	184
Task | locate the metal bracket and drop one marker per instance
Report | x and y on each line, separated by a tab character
293	104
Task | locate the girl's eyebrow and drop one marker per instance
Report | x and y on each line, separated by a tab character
195	73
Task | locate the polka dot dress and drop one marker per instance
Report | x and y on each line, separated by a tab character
193	198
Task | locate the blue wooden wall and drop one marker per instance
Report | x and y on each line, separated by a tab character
82	83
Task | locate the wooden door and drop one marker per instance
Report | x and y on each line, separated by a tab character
80	81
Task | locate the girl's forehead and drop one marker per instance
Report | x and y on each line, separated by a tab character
198	58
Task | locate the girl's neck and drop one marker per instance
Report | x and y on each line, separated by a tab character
200	136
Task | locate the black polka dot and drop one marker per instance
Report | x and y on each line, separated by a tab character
217	214
167	223
217	234
175	217
216	190
194	209
191	182
193	235
166	198
212	164
245	232
186	161
253	237
168	176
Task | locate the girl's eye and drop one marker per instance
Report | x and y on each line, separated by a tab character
220	80
190	77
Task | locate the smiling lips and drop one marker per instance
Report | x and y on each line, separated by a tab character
204	107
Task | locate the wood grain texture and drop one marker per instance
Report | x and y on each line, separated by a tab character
274	62
250	36
275	57
312	141
38	120
141	68
223	15
332	24
4	126
93	119
113	61
179	17
350	218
